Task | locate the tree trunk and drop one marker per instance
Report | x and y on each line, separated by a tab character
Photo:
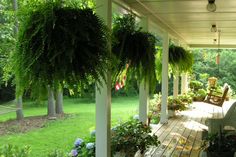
51	104
19	111
59	102
19	104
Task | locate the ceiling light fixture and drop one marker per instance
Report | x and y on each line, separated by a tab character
213	28
214	41
211	6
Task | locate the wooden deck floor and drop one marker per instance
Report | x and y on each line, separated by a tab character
182	135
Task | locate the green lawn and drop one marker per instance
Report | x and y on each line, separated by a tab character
61	134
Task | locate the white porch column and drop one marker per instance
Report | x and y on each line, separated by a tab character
143	101
176	85
184	83
103	97
143	86
164	79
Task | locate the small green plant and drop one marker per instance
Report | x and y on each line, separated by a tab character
14	151
195	85
131	136
186	98
200	95
176	104
215	144
154	109
57	153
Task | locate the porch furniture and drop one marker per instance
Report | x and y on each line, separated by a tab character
216	98
228	119
212	81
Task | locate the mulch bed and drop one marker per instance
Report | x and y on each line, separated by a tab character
29	123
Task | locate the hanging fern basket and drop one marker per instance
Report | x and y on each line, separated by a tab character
134	48
180	59
61	44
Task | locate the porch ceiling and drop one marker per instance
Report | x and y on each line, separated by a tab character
189	21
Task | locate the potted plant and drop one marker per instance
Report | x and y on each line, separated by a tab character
220	145
154	109
186	99
60	44
134	50
175	104
195	85
131	137
200	95
180	60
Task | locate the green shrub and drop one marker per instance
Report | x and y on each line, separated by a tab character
131	136
186	98
14	151
84	148
195	85
57	153
200	95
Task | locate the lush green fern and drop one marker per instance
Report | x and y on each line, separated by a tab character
180	60
59	45
134	48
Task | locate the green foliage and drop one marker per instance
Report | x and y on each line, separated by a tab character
197	90
57	153
180	103
201	93
158	63
205	63
84	148
131	136
7	47
155	103
176	104
180	59
134	49
221	142
60	44
195	85
155	108
14	151
185	98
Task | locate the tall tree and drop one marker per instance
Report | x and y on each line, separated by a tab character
59	101
19	104
51	104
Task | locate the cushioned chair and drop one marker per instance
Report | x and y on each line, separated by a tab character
216	99
229	119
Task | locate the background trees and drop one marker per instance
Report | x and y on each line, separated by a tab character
205	66
7	45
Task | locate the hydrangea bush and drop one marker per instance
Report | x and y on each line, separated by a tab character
84	148
127	138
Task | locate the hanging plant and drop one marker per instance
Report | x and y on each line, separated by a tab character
134	48
61	44
180	59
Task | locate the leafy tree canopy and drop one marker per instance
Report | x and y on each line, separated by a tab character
205	66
